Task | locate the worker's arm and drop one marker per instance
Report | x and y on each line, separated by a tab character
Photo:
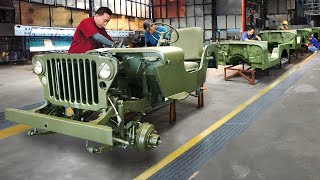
148	44
257	37
100	38
147	41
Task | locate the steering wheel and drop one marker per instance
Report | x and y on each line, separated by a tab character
162	39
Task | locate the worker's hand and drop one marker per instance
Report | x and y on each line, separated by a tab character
106	46
119	44
258	38
115	45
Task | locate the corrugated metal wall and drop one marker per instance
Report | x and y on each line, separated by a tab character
201	13
185	13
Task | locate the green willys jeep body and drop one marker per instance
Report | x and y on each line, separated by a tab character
315	31
101	96
276	37
253	53
304	33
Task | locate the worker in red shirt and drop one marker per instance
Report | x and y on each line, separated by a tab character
91	32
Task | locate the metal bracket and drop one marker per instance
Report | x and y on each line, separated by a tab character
36	132
97	150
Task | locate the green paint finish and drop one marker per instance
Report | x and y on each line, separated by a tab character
172	83
191	46
254	53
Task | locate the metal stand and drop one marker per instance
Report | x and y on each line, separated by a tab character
198	94
173	111
240	72
289	59
200	98
302	52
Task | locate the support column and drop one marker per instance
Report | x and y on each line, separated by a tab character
243	12
214	20
91	8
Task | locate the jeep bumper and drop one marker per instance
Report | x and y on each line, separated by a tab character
83	130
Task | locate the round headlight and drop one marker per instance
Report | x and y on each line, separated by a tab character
105	71
37	67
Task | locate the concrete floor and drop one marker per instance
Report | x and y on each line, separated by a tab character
62	157
19	86
283	143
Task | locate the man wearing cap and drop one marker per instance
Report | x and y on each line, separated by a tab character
284	25
313	45
153	29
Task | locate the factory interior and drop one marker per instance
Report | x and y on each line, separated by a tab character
159	89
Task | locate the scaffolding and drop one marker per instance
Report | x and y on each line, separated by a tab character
312	7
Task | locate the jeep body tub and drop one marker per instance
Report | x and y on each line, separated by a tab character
315	31
253	53
304	33
276	37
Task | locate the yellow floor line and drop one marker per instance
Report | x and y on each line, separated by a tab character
162	163
13	130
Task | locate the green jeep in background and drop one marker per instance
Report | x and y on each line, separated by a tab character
276	37
253	53
304	33
315	31
295	37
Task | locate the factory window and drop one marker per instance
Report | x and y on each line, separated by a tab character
135	8
168	8
51	2
71	3
61	2
81	4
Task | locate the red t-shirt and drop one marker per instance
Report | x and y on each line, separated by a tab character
82	41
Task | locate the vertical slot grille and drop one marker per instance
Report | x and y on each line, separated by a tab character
73	80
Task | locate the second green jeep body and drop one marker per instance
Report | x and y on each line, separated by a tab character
253	53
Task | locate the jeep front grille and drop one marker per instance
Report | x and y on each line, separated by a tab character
73	80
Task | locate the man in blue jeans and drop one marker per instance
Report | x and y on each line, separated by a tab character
313	45
151	28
